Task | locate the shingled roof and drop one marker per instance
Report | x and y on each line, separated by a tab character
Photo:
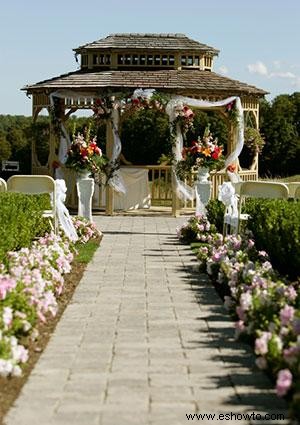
178	42
175	80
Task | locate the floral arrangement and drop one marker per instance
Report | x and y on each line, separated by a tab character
266	308
184	116
204	152
230	110
143	99
85	155
102	107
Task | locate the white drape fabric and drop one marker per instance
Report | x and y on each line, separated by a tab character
138	191
228	197
63	215
183	191
116	181
176	103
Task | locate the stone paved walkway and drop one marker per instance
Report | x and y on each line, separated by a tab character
145	340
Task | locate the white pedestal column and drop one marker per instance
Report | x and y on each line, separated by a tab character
85	190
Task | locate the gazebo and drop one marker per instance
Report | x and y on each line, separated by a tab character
169	63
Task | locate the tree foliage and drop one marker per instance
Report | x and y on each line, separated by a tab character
280	125
145	136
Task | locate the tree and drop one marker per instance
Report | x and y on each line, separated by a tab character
145	136
280	124
5	149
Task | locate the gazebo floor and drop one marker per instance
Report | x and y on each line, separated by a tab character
144	212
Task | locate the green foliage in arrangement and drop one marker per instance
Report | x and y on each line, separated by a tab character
21	220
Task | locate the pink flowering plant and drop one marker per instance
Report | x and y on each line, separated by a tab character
31	280
265	306
196	229
85	229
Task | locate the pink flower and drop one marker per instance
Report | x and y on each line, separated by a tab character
261	343
287	314
284	382
6	285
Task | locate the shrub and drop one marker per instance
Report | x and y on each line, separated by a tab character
21	220
215	213
275	225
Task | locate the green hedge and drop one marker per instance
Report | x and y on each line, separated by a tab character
21	220
276	228
215	214
275	225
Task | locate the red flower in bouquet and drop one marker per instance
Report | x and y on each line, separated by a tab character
85	155
205	152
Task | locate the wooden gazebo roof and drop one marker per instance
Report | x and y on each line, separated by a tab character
176	42
199	82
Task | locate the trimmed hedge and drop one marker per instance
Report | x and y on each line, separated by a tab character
275	225
21	220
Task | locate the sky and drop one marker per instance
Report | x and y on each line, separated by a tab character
259	40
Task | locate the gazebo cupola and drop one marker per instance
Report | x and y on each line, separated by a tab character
146	52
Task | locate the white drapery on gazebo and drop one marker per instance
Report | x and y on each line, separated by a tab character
183	191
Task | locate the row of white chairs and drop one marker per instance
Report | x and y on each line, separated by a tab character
256	189
34	184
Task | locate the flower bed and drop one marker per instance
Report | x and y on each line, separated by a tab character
266	307
30	283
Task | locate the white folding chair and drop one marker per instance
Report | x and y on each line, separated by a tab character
3	185
35	184
260	189
293	188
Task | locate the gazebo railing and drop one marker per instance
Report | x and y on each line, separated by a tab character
160	183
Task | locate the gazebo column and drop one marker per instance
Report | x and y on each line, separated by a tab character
52	145
254	165
109	209
232	142
175	200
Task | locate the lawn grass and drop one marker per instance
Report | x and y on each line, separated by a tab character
289	179
86	251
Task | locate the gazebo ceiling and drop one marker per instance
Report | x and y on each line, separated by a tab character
200	82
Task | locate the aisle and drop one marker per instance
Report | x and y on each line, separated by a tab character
144	341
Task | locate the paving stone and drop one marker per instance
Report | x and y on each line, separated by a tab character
144	341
